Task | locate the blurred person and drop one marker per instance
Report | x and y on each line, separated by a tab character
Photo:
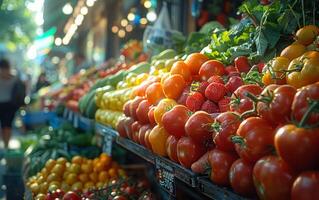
12	93
42	81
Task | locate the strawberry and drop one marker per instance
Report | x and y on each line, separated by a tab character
194	101
242	64
209	107
233	83
223	104
216	79
199	87
184	95
215	91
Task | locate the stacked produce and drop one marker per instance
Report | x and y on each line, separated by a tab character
80	175
252	126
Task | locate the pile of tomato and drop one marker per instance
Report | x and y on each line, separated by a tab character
253	127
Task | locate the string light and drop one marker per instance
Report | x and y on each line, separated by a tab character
131	16
143	21
115	29
67	9
129	28
84	10
58	41
124	22
147	4
151	16
121	33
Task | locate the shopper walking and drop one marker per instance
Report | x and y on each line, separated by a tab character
12	94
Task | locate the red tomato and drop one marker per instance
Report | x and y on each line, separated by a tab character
301	103
174	120
71	196
298	147
198	127
121	128
306	186
242	64
154	93
220	163
210	68
188	151
171	148
276	104
225	126
256	139
201	166
135	131
231	71
173	86
133	106
240	102
241	178
141	134
128	126
126	108
273	179
195	61
150	115
142	112
179	67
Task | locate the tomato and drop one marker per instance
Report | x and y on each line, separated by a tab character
293	51
298	147
163	106
150	115
210	68
195	61
121	127
128	126
273	179
276	104
182	99
141	134
231	71
304	70
220	163
198	128
301	103
174	86
306	186
182	69
157	139
171	148
175	119
71	196
225	126
307	34
241	178
256	139
135	130
147	140
242	64
274	73
133	106
126	108
142	112
240	102
154	93
188	151
201	166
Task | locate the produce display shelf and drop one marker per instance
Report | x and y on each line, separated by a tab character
77	120
105	130
215	192
136	149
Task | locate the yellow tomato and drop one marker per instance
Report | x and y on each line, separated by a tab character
163	106
75	168
35	188
103	176
52	177
50	164
61	161
71	179
86	168
77	160
157	138
83	178
58	169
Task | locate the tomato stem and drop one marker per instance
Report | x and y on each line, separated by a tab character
313	105
236	139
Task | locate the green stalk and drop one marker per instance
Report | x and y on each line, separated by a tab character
305	117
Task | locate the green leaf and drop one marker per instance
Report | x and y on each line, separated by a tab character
260	41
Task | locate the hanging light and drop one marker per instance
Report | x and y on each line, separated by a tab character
67	9
115	29
58	41
151	16
131	16
129	28
143	21
124	22
121	33
147	4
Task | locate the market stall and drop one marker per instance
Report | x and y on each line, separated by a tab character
221	113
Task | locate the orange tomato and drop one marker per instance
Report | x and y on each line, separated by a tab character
273	74
61	161
293	51
71	179
103	176
195	61
86	168
112	173
99	167
77	160
105	159
50	164
182	69
83	177
173	86
154	93
94	177
157	138
307	34
163	106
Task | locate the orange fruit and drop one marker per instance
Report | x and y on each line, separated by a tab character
94	177
44	172
99	167
112	173
83	177
77	186
35	188
44	187
182	69
65	175
75	168
293	51
86	168
52	177
77	160
195	61
103	176
58	169
71	179
307	34
61	161
50	164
